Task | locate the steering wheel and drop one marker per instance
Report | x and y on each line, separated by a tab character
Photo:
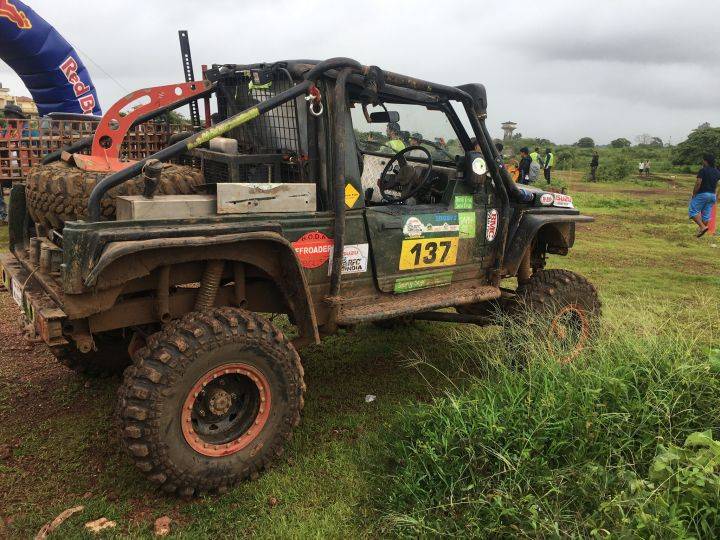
386	185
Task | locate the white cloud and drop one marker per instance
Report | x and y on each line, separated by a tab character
562	70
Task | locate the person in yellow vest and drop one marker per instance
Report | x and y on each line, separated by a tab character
548	164
394	142
535	155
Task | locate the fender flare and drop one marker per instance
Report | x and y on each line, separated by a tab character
560	225
110	272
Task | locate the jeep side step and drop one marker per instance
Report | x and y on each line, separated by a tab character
385	306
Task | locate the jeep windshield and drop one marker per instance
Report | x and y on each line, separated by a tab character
395	126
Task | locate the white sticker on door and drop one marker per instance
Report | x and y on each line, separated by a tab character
355	259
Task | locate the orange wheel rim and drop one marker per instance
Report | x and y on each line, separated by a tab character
226	409
576	317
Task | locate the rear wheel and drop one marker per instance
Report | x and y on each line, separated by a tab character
210	401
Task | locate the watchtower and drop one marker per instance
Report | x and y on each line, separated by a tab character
508	128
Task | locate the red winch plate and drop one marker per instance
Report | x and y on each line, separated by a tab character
114	126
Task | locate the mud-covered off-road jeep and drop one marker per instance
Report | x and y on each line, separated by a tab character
332	192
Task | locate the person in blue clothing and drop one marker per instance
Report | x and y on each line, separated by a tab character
704	194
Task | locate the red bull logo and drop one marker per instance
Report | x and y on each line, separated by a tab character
9	11
70	69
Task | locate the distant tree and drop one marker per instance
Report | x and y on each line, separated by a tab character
646	140
622	142
704	125
699	142
643	139
517	136
585	142
173	117
543	142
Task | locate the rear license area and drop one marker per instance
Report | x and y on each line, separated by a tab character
17	292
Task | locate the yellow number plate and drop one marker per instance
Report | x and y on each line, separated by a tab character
428	253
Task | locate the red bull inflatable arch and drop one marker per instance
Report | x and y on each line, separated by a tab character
48	65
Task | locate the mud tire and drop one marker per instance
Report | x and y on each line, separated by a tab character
548	294
59	192
162	378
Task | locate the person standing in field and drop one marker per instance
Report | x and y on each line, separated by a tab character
594	162
704	194
535	155
534	171
647	167
641	168
548	164
524	166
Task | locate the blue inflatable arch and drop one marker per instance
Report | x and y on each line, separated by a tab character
48	65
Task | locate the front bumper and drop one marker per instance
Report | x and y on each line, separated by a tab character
36	305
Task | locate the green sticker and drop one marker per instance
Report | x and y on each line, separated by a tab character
422	281
467	224
463	202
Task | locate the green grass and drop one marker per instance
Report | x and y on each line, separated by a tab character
340	476
553	450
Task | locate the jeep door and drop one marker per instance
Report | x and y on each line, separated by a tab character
440	237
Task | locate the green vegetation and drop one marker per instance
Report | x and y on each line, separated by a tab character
699	142
629	470
555	450
620	143
620	159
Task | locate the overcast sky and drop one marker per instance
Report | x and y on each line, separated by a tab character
561	70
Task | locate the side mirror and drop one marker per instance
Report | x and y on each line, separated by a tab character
384	117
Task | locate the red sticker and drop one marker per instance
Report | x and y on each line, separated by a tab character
313	249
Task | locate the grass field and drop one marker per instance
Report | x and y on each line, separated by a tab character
339	478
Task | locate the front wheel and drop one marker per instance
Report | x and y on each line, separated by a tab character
567	307
210	401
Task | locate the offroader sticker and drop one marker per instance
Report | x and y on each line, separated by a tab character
313	249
